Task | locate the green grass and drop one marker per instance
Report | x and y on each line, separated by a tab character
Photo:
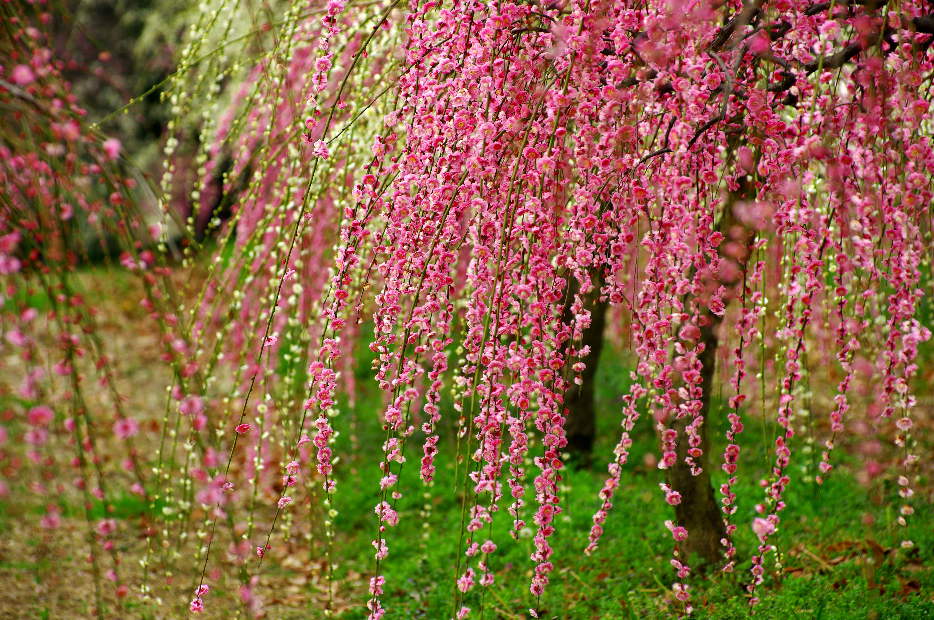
833	565
629	575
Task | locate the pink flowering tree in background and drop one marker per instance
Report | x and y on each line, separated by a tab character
476	192
68	200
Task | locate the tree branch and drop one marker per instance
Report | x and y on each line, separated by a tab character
820	7
738	22
837	60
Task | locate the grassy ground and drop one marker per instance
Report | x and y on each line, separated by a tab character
837	554
838	549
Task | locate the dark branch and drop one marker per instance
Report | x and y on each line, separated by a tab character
837	60
777	30
664	149
530	29
820	7
788	80
924	24
749	11
665	88
655	153
703	128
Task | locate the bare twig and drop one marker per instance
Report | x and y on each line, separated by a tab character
663	149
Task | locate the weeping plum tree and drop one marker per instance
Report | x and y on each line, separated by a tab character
742	185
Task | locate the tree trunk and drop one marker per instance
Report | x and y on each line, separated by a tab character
581	415
699	511
581	424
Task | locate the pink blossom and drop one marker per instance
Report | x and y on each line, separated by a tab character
51	520
679	533
762	527
125	428
106	527
17	338
376	585
320	149
40	415
904	424
112	148
191	405
22	75
36	436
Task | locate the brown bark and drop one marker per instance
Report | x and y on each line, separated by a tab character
581	417
581	424
699	511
